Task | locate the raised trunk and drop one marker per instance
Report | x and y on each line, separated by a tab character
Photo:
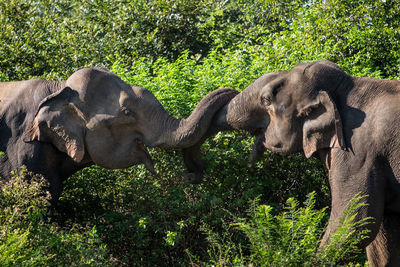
229	117
244	112
175	133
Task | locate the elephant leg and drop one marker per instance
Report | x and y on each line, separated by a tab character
55	190
337	212
348	181
258	148
384	250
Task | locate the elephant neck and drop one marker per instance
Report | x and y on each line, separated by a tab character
183	133
243	112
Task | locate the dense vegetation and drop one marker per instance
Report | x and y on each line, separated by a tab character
180	50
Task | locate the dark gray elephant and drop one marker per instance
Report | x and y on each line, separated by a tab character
351	124
242	113
58	128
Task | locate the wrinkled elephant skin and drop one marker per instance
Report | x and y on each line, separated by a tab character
352	124
58	128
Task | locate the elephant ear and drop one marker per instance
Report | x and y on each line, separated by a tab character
59	122
323	126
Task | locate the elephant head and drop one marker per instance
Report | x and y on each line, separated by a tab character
291	111
98	118
302	110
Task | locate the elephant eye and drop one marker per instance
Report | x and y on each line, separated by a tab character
304	112
266	101
127	111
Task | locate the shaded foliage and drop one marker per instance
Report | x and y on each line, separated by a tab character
26	239
181	50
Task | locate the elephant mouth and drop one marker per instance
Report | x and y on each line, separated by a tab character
256	132
140	144
146	160
278	148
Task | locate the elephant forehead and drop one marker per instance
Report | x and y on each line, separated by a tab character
107	106
101	102
128	98
98	120
299	86
296	76
96	85
142	94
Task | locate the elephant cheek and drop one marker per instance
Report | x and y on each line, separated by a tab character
99	145
115	152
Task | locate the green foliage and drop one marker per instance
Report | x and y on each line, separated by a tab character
152	220
22	202
181	50
52	38
13	250
289	238
27	240
349	231
360	36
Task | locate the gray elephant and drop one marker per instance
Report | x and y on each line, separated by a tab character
241	113
58	128
351	124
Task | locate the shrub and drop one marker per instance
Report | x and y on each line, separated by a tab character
26	239
289	238
53	38
153	220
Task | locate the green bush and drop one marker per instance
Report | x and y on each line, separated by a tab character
26	239
53	38
289	238
154	220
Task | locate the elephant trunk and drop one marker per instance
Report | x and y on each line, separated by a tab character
187	132
230	116
245	111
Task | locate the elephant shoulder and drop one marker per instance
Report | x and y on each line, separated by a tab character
375	125
12	91
19	104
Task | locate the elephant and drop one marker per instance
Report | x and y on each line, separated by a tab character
56	128
241	113
349	123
